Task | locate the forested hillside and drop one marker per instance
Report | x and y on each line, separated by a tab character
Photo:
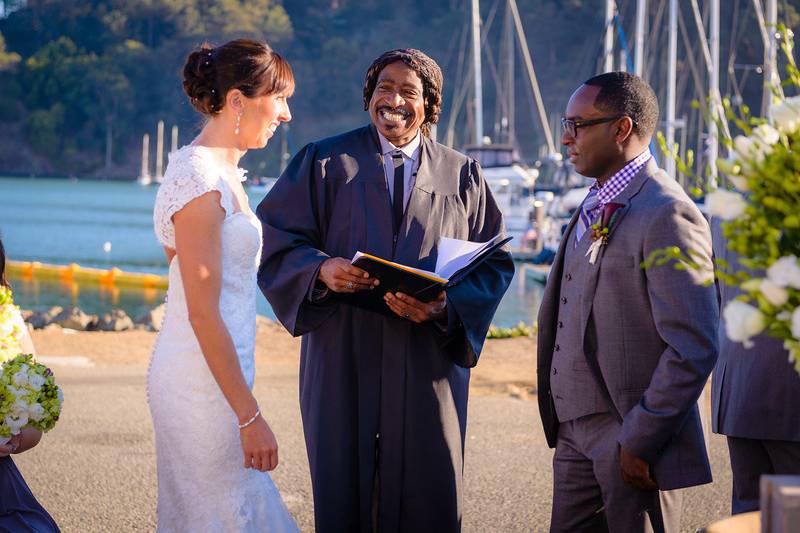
78	77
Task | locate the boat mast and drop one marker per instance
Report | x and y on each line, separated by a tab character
476	62
771	78
672	60
509	44
608	43
537	95
716	103
641	17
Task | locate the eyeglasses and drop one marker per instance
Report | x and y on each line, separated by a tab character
571	126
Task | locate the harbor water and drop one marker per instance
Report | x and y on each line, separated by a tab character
109	224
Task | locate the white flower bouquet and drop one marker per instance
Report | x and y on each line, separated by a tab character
761	219
29	397
761	216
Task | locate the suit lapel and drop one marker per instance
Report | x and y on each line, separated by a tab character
624	198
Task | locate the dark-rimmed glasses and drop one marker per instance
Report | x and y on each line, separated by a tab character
571	126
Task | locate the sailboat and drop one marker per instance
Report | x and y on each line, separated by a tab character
511	180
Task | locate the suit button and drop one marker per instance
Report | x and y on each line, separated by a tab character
560	324
569	276
563	299
558	348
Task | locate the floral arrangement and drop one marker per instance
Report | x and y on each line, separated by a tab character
11	326
761	214
29	397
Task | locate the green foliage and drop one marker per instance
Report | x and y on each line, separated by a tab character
42	129
520	330
8	60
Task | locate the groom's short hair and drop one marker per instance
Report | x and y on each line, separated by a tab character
623	93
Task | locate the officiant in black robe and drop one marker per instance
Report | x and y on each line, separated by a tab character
383	378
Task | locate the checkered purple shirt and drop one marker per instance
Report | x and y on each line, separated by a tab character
617	183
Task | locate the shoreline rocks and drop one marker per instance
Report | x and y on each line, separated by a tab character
75	318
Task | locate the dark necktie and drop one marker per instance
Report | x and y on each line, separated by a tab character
398	190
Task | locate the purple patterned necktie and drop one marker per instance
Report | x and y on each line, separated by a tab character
585	219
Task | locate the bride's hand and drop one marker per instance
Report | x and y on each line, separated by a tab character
259	446
11	446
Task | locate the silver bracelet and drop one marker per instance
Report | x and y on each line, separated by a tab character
249	422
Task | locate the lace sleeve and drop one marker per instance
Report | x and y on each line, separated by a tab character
189	175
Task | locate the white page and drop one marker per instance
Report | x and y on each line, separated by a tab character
455	254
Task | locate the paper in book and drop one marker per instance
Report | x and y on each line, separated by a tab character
455	258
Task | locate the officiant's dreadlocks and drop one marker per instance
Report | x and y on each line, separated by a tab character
428	71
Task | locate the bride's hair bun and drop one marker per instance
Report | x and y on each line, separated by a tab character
250	66
199	80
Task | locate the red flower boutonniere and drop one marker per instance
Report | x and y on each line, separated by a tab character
600	230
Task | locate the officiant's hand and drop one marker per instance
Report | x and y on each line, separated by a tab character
635	471
259	446
339	275
414	310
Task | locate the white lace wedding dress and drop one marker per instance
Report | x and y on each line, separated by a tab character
202	485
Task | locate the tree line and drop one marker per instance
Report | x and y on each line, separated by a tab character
81	81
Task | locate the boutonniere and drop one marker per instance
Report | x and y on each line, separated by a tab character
600	230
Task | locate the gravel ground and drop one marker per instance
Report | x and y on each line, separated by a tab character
96	470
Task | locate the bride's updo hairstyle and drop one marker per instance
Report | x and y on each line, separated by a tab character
250	66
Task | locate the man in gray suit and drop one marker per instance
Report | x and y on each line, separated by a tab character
755	398
624	352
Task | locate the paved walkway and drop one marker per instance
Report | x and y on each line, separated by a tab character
96	470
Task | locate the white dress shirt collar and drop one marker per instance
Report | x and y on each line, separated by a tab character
411	150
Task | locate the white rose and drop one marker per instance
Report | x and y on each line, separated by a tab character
742	321
786	115
744	146
766	134
796	324
35	382
726	205
35	412
774	293
785	272
749	148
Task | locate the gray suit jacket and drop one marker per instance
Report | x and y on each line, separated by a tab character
649	336
755	392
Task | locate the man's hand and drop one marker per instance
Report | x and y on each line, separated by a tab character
635	471
414	310
339	275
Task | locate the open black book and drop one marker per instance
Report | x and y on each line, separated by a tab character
456	259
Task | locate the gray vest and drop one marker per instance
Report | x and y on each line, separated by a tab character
574	388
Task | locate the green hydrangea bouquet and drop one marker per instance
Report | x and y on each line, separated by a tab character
29	397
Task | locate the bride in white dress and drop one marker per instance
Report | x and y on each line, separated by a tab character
213	445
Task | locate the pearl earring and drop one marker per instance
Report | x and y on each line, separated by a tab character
238	120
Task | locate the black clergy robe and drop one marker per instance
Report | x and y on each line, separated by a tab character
383	400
